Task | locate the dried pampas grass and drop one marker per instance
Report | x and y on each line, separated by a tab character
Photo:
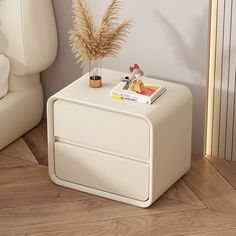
89	42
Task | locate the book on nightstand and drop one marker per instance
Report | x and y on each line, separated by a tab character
150	93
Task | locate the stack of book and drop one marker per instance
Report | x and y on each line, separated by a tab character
149	94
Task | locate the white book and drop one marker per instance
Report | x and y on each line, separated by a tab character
150	93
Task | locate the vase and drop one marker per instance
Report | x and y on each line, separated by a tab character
95	73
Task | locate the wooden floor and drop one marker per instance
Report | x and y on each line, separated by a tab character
203	202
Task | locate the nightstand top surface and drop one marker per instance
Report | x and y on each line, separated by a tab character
80	92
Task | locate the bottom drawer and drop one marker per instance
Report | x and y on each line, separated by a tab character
102	171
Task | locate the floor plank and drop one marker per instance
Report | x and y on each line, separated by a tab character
82	211
30	205
36	140
22	175
193	221
13	162
181	192
26	194
226	168
210	186
227	232
38	194
18	150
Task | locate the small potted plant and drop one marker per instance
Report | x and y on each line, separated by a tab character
90	43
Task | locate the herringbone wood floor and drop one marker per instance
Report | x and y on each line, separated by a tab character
203	202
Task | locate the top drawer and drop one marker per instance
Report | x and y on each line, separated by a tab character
103	130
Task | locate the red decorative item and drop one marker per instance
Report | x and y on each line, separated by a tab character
136	66
136	71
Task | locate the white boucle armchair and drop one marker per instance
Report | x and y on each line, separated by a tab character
28	37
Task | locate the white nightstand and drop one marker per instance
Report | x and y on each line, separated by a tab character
122	150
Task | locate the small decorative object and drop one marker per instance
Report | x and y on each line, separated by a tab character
136	84
136	71
95	73
90	43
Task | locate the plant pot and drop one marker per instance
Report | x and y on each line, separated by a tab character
95	73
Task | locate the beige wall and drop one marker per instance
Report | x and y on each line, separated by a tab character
64	70
169	40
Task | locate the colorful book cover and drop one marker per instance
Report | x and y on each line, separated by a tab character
148	95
